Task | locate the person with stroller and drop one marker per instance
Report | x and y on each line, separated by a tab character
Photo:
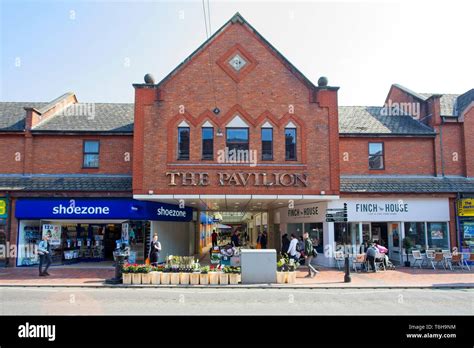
371	254
382	251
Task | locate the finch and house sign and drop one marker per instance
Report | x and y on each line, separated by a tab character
237	179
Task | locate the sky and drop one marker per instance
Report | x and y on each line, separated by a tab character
97	49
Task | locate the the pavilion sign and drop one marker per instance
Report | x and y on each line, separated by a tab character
237	179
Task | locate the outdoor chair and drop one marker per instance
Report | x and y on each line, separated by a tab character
466	257
457	259
339	257
429	258
447	256
360	259
417	256
439	259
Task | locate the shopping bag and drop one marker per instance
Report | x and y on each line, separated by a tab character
259	246
147	261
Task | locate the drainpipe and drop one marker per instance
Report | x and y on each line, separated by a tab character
9	227
458	222
441	145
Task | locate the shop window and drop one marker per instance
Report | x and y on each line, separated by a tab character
467	235
290	144
376	156
207	143
438	235
237	139
91	154
267	144
183	143
417	233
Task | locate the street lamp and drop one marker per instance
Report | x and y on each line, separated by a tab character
347	275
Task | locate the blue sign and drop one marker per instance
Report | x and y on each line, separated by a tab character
100	209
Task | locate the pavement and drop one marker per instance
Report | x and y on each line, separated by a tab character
327	278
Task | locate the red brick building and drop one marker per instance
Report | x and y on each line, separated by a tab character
237	128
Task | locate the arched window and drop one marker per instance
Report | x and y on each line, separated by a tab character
183	141
290	142
267	142
207	132
237	134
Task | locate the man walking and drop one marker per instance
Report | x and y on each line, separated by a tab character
308	252
214	238
292	247
44	252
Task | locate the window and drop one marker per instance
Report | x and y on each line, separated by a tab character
183	143
237	138
438	235
267	144
290	144
91	154
207	143
376	156
416	232
315	231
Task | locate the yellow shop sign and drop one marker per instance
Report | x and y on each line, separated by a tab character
466	207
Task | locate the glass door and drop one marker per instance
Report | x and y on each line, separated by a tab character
394	242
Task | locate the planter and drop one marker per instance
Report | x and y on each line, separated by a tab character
127	278
223	278
214	278
204	279
146	278
165	278
155	278
184	278
174	278
234	278
194	278
291	277
281	277
136	278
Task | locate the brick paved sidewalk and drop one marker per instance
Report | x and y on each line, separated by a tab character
402	277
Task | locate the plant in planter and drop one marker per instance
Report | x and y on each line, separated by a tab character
184	275
155	274
126	274
204	276
145	272
136	275
165	275
223	276
282	270
213	275
407	244
234	274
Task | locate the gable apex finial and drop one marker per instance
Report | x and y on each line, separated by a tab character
237	18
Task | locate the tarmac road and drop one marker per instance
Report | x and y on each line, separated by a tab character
110	301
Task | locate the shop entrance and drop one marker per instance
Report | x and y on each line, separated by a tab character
379	232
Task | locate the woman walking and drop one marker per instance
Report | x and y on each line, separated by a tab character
155	249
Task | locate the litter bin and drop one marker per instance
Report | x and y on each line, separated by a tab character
120	256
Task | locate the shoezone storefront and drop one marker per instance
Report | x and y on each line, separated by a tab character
87	230
425	221
385	220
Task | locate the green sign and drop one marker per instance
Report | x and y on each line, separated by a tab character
3	208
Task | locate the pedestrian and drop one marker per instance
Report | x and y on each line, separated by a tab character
292	247
259	240
285	243
214	238
155	249
371	253
44	252
264	240
235	239
309	255
383	253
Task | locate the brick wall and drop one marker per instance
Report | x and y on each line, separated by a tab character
12	150
453	149
269	92
404	156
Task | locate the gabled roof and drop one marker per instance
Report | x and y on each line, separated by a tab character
12	115
371	120
99	117
464	100
237	18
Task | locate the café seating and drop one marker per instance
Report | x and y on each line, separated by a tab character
379	261
339	258
447	259
439	259
417	256
430	257
360	259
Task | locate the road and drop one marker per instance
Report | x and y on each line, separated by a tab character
110	301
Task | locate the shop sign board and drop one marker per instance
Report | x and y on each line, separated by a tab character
3	208
404	209
100	209
468	230
466	207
